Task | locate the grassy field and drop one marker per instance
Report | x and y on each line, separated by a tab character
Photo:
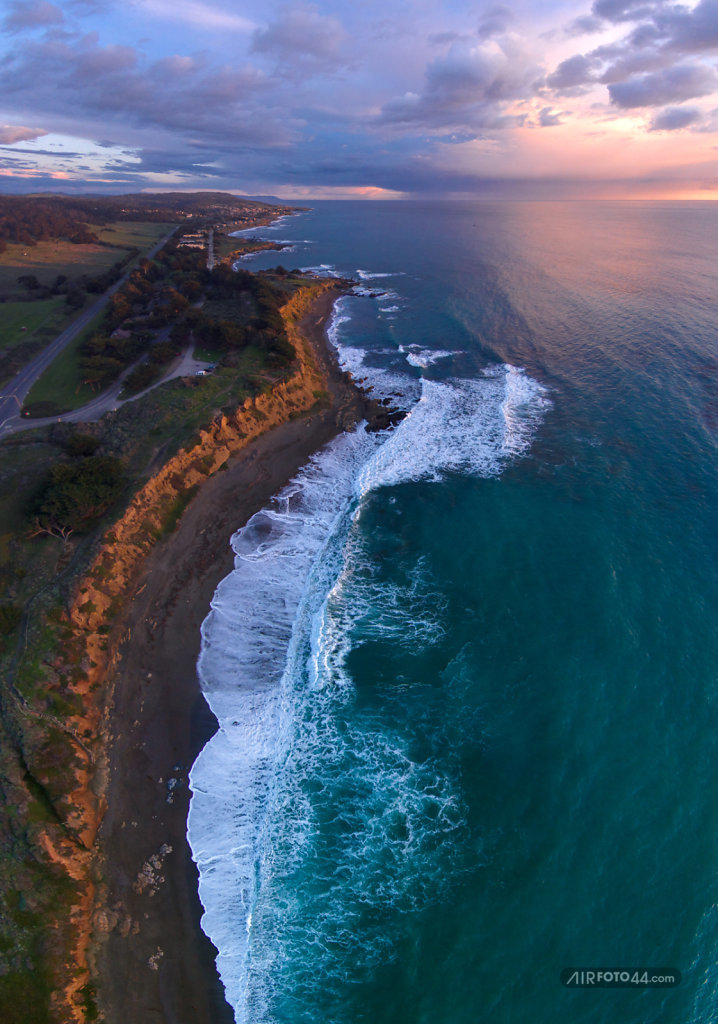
128	234
60	383
25	321
47	260
43	320
224	246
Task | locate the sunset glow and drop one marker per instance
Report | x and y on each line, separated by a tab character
380	101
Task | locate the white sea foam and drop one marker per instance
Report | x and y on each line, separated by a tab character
524	404
385	383
249	256
304	818
368	275
292	241
245	640
341	850
258	231
322	270
424	357
460	426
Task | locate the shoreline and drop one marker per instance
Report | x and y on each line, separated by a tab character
154	962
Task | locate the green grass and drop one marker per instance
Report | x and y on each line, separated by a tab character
207	355
129	234
60	383
49	316
173	513
48	259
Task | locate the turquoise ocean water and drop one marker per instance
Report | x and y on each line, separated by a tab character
467	672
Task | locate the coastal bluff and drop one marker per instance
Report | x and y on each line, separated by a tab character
133	930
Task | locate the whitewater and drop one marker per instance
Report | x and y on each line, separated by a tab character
273	670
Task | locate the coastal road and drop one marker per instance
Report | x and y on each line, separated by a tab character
184	366
13	394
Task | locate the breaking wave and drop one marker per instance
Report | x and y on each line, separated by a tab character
315	828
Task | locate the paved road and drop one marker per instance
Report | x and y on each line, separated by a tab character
184	366
13	394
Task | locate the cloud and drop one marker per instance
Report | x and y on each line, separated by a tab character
549	118
257	94
116	84
199	15
623	10
574	75
63	154
467	88
690	31
683	82
673	118
10	133
629	64
30	14
663	59
444	38
302	38
495	22
584	26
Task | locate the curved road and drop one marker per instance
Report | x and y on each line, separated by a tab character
13	394
184	366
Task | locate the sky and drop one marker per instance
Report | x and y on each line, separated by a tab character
378	99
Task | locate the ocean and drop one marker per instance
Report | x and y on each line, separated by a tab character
466	671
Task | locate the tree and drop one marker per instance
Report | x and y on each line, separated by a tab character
76	494
81	445
75	299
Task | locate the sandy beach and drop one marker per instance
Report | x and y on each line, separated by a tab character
154	962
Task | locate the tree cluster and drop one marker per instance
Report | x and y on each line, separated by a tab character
76	494
101	282
103	358
264	325
31	219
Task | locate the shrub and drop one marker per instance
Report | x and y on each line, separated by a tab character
10	616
